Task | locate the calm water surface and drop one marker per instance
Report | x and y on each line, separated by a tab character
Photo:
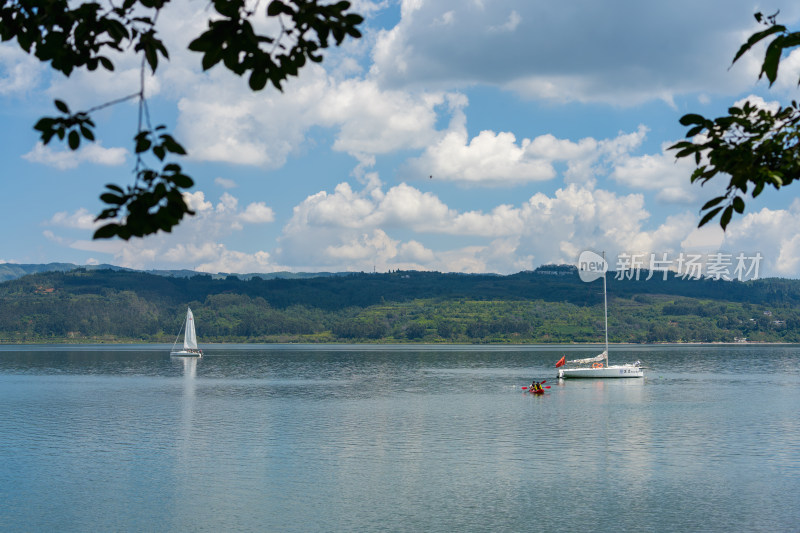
426	438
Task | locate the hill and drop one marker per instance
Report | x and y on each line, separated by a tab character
549	304
10	271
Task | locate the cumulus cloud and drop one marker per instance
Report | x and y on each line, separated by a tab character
620	58
222	121
355	229
789	73
80	219
758	102
497	158
487	158
66	159
197	243
661	173
374	121
19	72
411	103
257	213
770	232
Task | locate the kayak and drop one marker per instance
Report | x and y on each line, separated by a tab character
540	390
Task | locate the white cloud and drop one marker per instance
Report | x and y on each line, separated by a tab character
257	213
770	232
84	90
225	183
80	219
498	159
661	173
510	25
197	243
487	158
222	121
789	73
66	159
758	102
352	230
197	201
373	121
619	58
19	72
109	247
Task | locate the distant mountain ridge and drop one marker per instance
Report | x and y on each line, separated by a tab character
549	304
10	271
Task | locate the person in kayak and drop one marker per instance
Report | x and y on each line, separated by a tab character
536	386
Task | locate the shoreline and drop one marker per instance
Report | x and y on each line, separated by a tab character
212	345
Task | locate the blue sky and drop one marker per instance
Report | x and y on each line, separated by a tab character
456	135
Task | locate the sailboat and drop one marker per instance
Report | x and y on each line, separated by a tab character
190	348
590	267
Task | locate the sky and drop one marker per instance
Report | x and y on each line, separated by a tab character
456	135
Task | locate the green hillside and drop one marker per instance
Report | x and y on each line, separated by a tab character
550	304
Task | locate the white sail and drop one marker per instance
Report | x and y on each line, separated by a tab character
190	339
595	359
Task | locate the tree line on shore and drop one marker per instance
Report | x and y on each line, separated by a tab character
548	305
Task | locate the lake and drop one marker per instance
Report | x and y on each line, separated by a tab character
397	438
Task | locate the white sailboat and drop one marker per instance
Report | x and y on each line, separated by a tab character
590	267
190	348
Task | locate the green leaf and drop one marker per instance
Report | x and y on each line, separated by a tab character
112	199
695	131
182	181
692	118
712	203
711	214
87	133
152	57
738	204
686	152
212	57
61	106
755	38
142	144
74	140
772	59
107	64
201	44
725	219
44	124
258	80
275	8
106	232
173	146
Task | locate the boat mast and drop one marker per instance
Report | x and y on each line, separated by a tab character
605	306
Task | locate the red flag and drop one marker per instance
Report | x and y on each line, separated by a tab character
561	362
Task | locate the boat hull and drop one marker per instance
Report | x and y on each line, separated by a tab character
184	353
613	371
